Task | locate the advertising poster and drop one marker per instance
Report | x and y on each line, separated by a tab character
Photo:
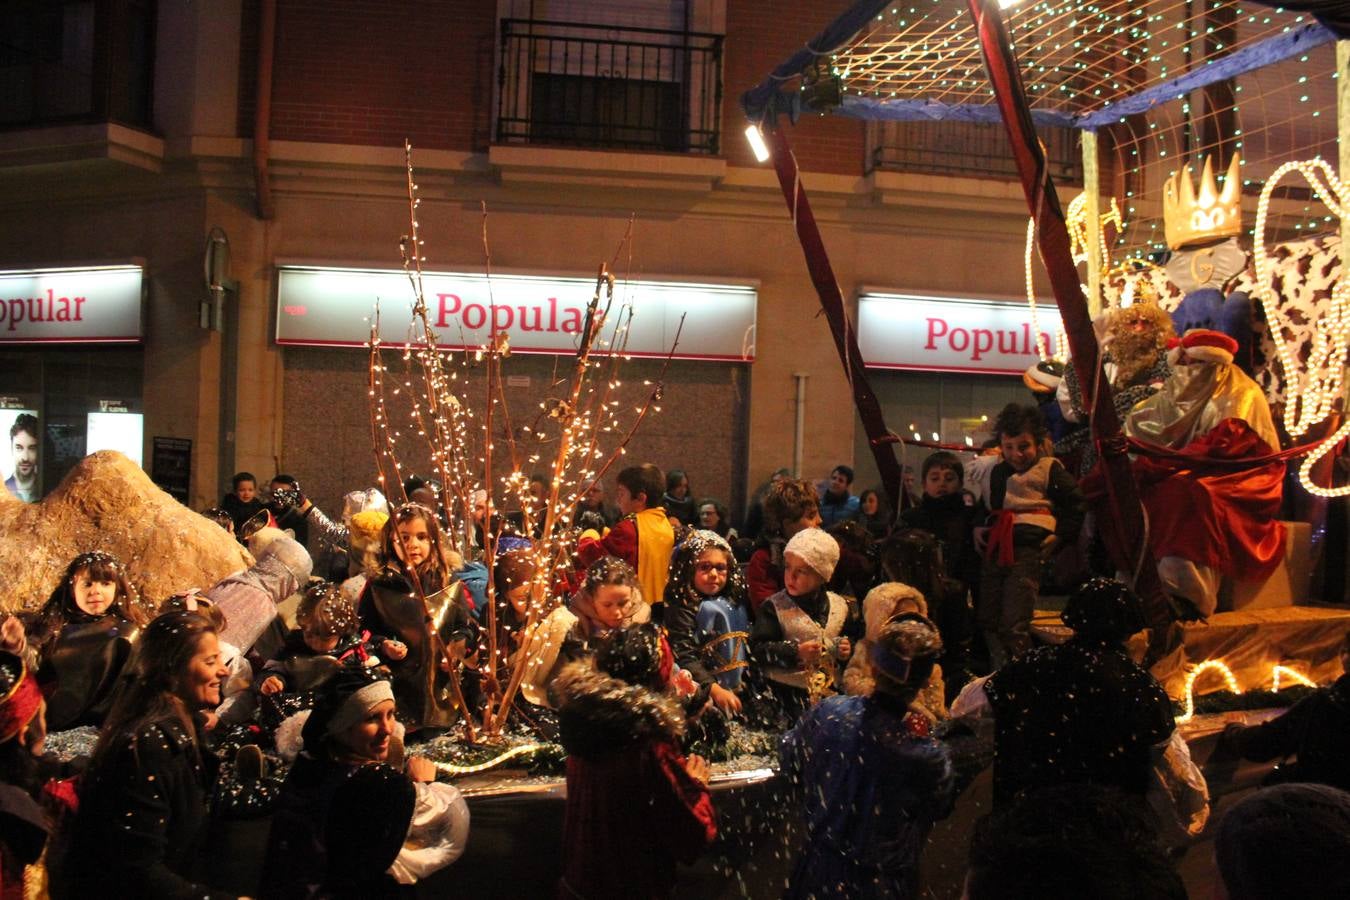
20	461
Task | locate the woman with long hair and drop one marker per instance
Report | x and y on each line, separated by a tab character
142	820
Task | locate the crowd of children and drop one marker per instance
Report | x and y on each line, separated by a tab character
852	641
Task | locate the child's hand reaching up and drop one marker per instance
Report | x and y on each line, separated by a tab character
271	685
395	650
698	769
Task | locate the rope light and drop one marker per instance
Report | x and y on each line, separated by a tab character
1221	667
1206	666
1076	222
1312	392
1293	676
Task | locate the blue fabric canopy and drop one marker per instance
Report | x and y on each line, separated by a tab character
766	100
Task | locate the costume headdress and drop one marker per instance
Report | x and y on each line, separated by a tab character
1191	218
1209	346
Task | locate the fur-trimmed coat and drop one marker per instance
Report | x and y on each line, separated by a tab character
633	810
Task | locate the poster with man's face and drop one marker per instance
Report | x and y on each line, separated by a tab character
19	464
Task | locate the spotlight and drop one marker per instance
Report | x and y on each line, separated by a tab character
756	139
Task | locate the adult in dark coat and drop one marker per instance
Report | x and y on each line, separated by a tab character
142	822
635	804
1081	712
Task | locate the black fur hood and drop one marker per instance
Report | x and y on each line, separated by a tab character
599	714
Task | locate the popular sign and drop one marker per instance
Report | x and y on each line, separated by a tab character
939	334
322	306
96	305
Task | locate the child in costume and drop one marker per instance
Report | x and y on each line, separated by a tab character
872	779
708	617
416	601
635	805
80	639
803	633
609	599
882	605
329	637
1037	509
643	538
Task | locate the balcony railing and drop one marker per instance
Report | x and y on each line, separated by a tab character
964	148
593	86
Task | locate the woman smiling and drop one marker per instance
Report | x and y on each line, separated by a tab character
142	819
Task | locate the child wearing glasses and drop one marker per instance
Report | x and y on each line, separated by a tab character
708	617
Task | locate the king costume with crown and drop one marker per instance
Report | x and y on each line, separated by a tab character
1202	228
1213	502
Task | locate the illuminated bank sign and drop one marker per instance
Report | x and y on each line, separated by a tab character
943	334
326	306
87	305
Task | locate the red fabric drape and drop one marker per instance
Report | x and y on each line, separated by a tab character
1203	509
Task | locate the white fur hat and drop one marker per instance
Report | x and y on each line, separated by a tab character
817	549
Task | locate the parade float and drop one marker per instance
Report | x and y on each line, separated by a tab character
1160	97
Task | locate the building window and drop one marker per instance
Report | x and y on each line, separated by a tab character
602	86
76	61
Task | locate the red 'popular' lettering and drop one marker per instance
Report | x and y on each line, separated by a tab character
472	316
979	343
934	334
41	309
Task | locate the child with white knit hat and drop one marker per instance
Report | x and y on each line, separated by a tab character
804	634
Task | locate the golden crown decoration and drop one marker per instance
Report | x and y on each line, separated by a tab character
1191	218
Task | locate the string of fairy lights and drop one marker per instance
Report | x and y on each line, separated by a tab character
455	410
1077	54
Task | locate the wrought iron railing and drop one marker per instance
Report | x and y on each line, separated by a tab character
965	148
594	86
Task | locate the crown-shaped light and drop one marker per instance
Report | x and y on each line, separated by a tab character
1190	218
